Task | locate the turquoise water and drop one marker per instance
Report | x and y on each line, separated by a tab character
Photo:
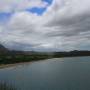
52	74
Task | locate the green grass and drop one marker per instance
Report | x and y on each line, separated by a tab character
11	59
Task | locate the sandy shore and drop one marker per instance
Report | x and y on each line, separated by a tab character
21	63
11	65
15	64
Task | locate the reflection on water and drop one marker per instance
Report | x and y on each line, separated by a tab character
53	74
6	86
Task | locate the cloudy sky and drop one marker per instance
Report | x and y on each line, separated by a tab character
45	25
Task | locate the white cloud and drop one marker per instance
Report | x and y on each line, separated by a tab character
19	5
64	26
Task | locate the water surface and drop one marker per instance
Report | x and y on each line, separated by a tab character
53	74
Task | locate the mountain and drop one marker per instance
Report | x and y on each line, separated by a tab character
3	49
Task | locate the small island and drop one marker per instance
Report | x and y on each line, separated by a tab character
11	56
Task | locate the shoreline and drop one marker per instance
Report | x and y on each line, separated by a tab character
22	63
11	65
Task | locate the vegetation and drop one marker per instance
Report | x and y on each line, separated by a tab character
11	57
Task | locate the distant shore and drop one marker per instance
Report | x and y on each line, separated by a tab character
14	57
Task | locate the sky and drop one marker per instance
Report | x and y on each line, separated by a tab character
45	25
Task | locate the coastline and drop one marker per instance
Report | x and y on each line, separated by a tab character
22	63
15	64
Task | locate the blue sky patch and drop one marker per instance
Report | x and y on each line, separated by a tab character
4	16
48	1
39	10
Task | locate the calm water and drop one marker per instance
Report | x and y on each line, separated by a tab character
52	74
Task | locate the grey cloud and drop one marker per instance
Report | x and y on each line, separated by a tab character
70	26
63	32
